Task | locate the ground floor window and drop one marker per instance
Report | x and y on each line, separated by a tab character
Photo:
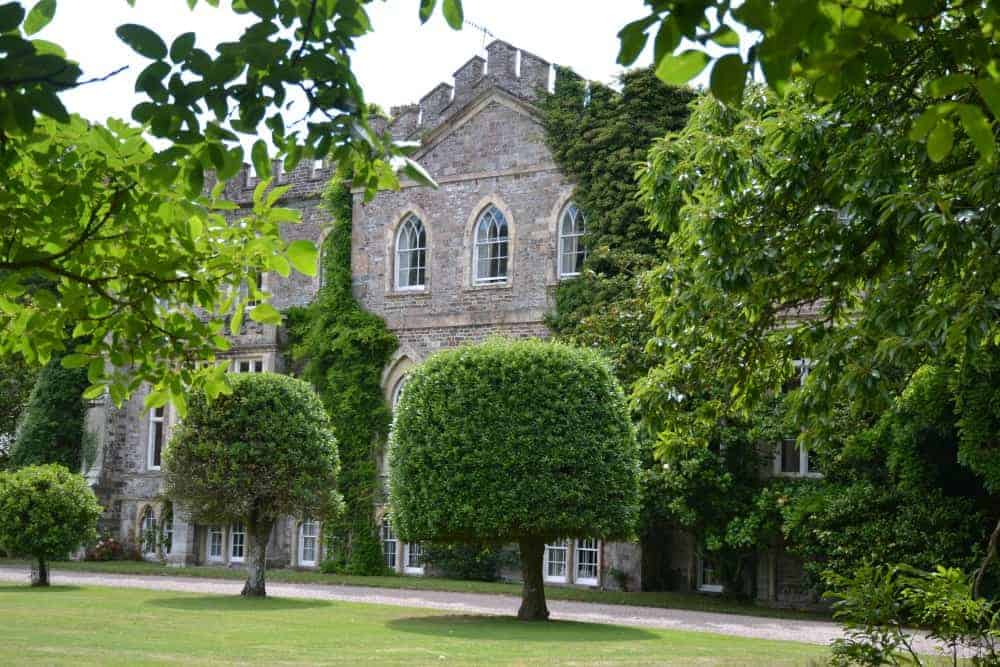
168	530
388	544
413	558
215	543
237	542
586	562
709	577
308	539
148	528
554	563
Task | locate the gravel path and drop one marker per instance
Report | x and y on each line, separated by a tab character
817	632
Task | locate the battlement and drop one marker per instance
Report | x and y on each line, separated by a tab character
513	70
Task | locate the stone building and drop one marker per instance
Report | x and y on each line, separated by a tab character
480	255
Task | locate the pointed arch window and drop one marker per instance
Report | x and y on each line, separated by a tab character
490	262
411	254
148	527
572	227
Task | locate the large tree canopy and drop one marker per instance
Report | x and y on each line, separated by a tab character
513	441
129	247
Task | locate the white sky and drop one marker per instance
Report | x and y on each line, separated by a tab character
397	64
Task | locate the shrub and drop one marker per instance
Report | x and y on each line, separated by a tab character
110	548
46	512
262	452
474	562
52	428
514	441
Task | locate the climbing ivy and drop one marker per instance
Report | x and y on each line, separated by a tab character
52	424
341	349
597	136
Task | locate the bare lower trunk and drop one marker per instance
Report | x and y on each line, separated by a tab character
533	593
258	533
991	552
40	573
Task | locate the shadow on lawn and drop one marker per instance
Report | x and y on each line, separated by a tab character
506	628
25	588
231	603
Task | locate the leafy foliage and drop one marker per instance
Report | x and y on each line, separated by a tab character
132	250
52	430
597	135
266	449
46	512
475	562
510	439
344	349
16	382
836	46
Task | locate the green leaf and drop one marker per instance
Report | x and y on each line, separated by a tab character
426	9
668	38
156	398
75	361
47	102
989	89
678	69
265	313
261	160
181	47
633	39
453	14
39	16
236	323
924	124
729	77
93	391
11	15
142	40
303	255
946	85
940	141
726	36
979	130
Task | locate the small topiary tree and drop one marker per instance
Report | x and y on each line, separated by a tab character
514	441
262	452
46	512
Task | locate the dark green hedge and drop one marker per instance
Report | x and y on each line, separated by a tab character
512	439
52	430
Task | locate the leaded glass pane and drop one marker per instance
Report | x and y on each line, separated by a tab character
411	254
491	251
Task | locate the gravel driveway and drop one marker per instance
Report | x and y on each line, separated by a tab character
817	632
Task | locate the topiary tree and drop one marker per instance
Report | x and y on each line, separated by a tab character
52	425
46	512
262	452
514	441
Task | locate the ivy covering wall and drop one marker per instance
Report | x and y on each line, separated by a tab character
52	424
341	349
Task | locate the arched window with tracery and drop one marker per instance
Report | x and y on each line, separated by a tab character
572	227
490	261
411	254
148	528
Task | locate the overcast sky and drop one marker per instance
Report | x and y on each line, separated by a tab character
397	64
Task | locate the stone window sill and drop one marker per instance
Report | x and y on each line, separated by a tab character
488	286
404	293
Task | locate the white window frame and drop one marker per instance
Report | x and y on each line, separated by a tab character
233	533
707	588
213	532
410	221
408	550
551	550
579	549
306	562
148	535
167	531
802	368
571	213
261	279
254	365
489	216
388	537
157	418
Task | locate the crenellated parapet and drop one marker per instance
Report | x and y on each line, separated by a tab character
506	67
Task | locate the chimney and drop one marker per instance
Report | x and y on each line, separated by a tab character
466	79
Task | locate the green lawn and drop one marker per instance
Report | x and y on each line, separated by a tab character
664	600
105	626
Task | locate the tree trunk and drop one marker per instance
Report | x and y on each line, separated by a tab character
40	573
258	534
533	593
991	552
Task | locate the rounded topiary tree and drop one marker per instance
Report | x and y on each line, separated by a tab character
253	456
514	441
46	512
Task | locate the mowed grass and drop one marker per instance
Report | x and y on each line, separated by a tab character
67	625
666	600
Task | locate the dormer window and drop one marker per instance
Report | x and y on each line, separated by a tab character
571	250
411	254
491	247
